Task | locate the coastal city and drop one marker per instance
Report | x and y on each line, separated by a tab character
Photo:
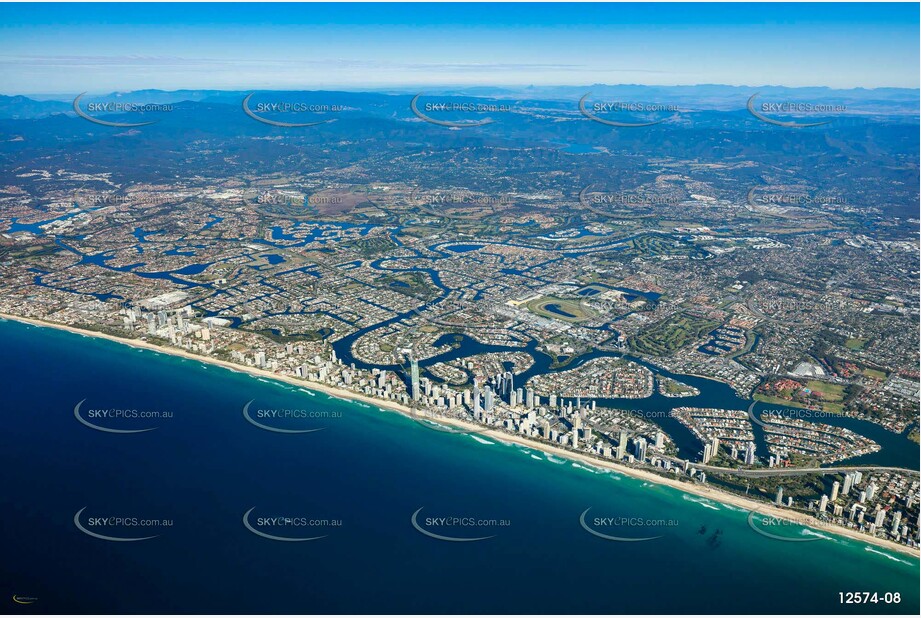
548	336
326	309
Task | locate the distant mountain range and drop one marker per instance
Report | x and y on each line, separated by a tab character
858	101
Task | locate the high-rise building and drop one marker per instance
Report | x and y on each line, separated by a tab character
823	504
708	453
848	483
476	400
896	519
750	454
529	398
639	449
489	396
834	490
880	518
622	445
414	379
660	439
714	446
778	499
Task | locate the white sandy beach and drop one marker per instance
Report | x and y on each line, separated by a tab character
696	489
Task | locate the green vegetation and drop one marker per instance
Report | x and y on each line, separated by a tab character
672	387
781	401
370	247
855	344
417	285
672	334
658	244
824	396
279	337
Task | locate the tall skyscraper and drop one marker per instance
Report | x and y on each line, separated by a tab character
489	396
880	518
622	445
750	454
896	519
778	499
708	453
640	449
834	490
848	483
414	379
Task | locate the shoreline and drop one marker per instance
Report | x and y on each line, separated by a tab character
703	491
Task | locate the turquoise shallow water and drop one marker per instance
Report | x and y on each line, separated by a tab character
357	483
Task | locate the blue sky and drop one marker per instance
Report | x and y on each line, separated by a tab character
71	48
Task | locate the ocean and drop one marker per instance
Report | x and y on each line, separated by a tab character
215	499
